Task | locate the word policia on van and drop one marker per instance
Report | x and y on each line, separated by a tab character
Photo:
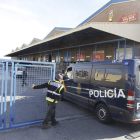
107	93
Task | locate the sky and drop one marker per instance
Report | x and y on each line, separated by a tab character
23	20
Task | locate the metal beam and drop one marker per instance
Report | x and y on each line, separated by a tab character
124	49
134	50
79	53
58	56
51	56
36	62
118	50
95	51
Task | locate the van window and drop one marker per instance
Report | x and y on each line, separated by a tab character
78	73
82	73
69	73
69	69
85	73
113	75
99	74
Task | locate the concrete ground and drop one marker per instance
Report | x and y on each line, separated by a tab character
78	124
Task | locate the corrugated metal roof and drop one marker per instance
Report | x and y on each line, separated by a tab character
35	39
58	28
125	30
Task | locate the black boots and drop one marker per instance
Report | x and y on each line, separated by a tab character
46	126
55	123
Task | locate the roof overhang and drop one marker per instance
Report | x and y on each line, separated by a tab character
129	31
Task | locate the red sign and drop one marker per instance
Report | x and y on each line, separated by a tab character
99	56
129	18
82	56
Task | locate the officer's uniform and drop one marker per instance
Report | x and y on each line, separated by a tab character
24	76
55	89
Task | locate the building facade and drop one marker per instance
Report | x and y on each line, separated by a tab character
111	33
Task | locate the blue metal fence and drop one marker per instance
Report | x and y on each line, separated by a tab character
20	105
1	92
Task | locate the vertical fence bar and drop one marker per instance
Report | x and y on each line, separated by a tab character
11	94
118	50
51	75
14	93
5	100
2	86
54	66
95	51
124	49
134	50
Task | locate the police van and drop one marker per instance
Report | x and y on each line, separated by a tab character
85	78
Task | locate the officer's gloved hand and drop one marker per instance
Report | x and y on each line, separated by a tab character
32	87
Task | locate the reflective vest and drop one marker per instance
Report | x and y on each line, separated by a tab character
55	89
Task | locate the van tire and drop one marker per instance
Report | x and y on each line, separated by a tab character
103	114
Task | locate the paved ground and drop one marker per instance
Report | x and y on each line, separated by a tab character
76	122
79	124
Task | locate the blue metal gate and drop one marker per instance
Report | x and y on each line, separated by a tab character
19	104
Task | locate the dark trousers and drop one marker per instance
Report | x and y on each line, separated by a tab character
50	113
23	80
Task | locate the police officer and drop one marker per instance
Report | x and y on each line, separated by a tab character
55	89
24	76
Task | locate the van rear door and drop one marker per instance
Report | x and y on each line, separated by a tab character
136	78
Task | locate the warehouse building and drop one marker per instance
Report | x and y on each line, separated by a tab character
111	33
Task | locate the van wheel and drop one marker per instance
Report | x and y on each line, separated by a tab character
103	114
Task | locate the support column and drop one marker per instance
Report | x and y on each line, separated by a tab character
79	53
118	50
95	51
133	50
51	56
40	57
67	57
124	49
58	56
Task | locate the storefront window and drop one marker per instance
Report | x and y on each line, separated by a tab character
57	58
82	56
99	55
69	57
44	58
128	54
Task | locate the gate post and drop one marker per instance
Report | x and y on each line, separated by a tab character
5	96
11	94
2	86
